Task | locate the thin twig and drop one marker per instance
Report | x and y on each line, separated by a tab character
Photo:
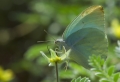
57	74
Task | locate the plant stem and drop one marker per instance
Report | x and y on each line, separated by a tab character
56	67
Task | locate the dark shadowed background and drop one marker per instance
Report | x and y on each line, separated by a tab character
22	24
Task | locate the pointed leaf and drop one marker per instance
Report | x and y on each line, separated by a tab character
111	70
116	77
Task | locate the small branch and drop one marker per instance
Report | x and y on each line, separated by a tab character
57	74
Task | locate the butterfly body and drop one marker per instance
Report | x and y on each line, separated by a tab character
86	36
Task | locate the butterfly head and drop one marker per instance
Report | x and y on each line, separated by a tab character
60	43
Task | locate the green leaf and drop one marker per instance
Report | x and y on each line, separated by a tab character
99	74
111	70
78	68
79	79
34	51
116	77
66	74
104	80
102	62
84	80
73	80
96	62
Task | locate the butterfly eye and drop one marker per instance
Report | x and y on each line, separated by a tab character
59	42
56	42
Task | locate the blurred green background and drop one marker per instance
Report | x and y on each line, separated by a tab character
22	25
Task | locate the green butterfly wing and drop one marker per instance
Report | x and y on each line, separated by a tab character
92	17
86	42
86	35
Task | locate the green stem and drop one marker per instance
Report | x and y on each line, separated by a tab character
56	67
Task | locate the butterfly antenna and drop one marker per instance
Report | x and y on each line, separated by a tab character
48	40
50	35
45	41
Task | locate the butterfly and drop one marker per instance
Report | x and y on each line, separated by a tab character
85	36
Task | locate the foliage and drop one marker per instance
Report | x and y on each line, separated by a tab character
22	24
106	74
79	79
98	64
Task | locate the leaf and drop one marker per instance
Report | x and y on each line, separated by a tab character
104	80
34	51
99	74
73	80
116	77
79	79
111	70
84	80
